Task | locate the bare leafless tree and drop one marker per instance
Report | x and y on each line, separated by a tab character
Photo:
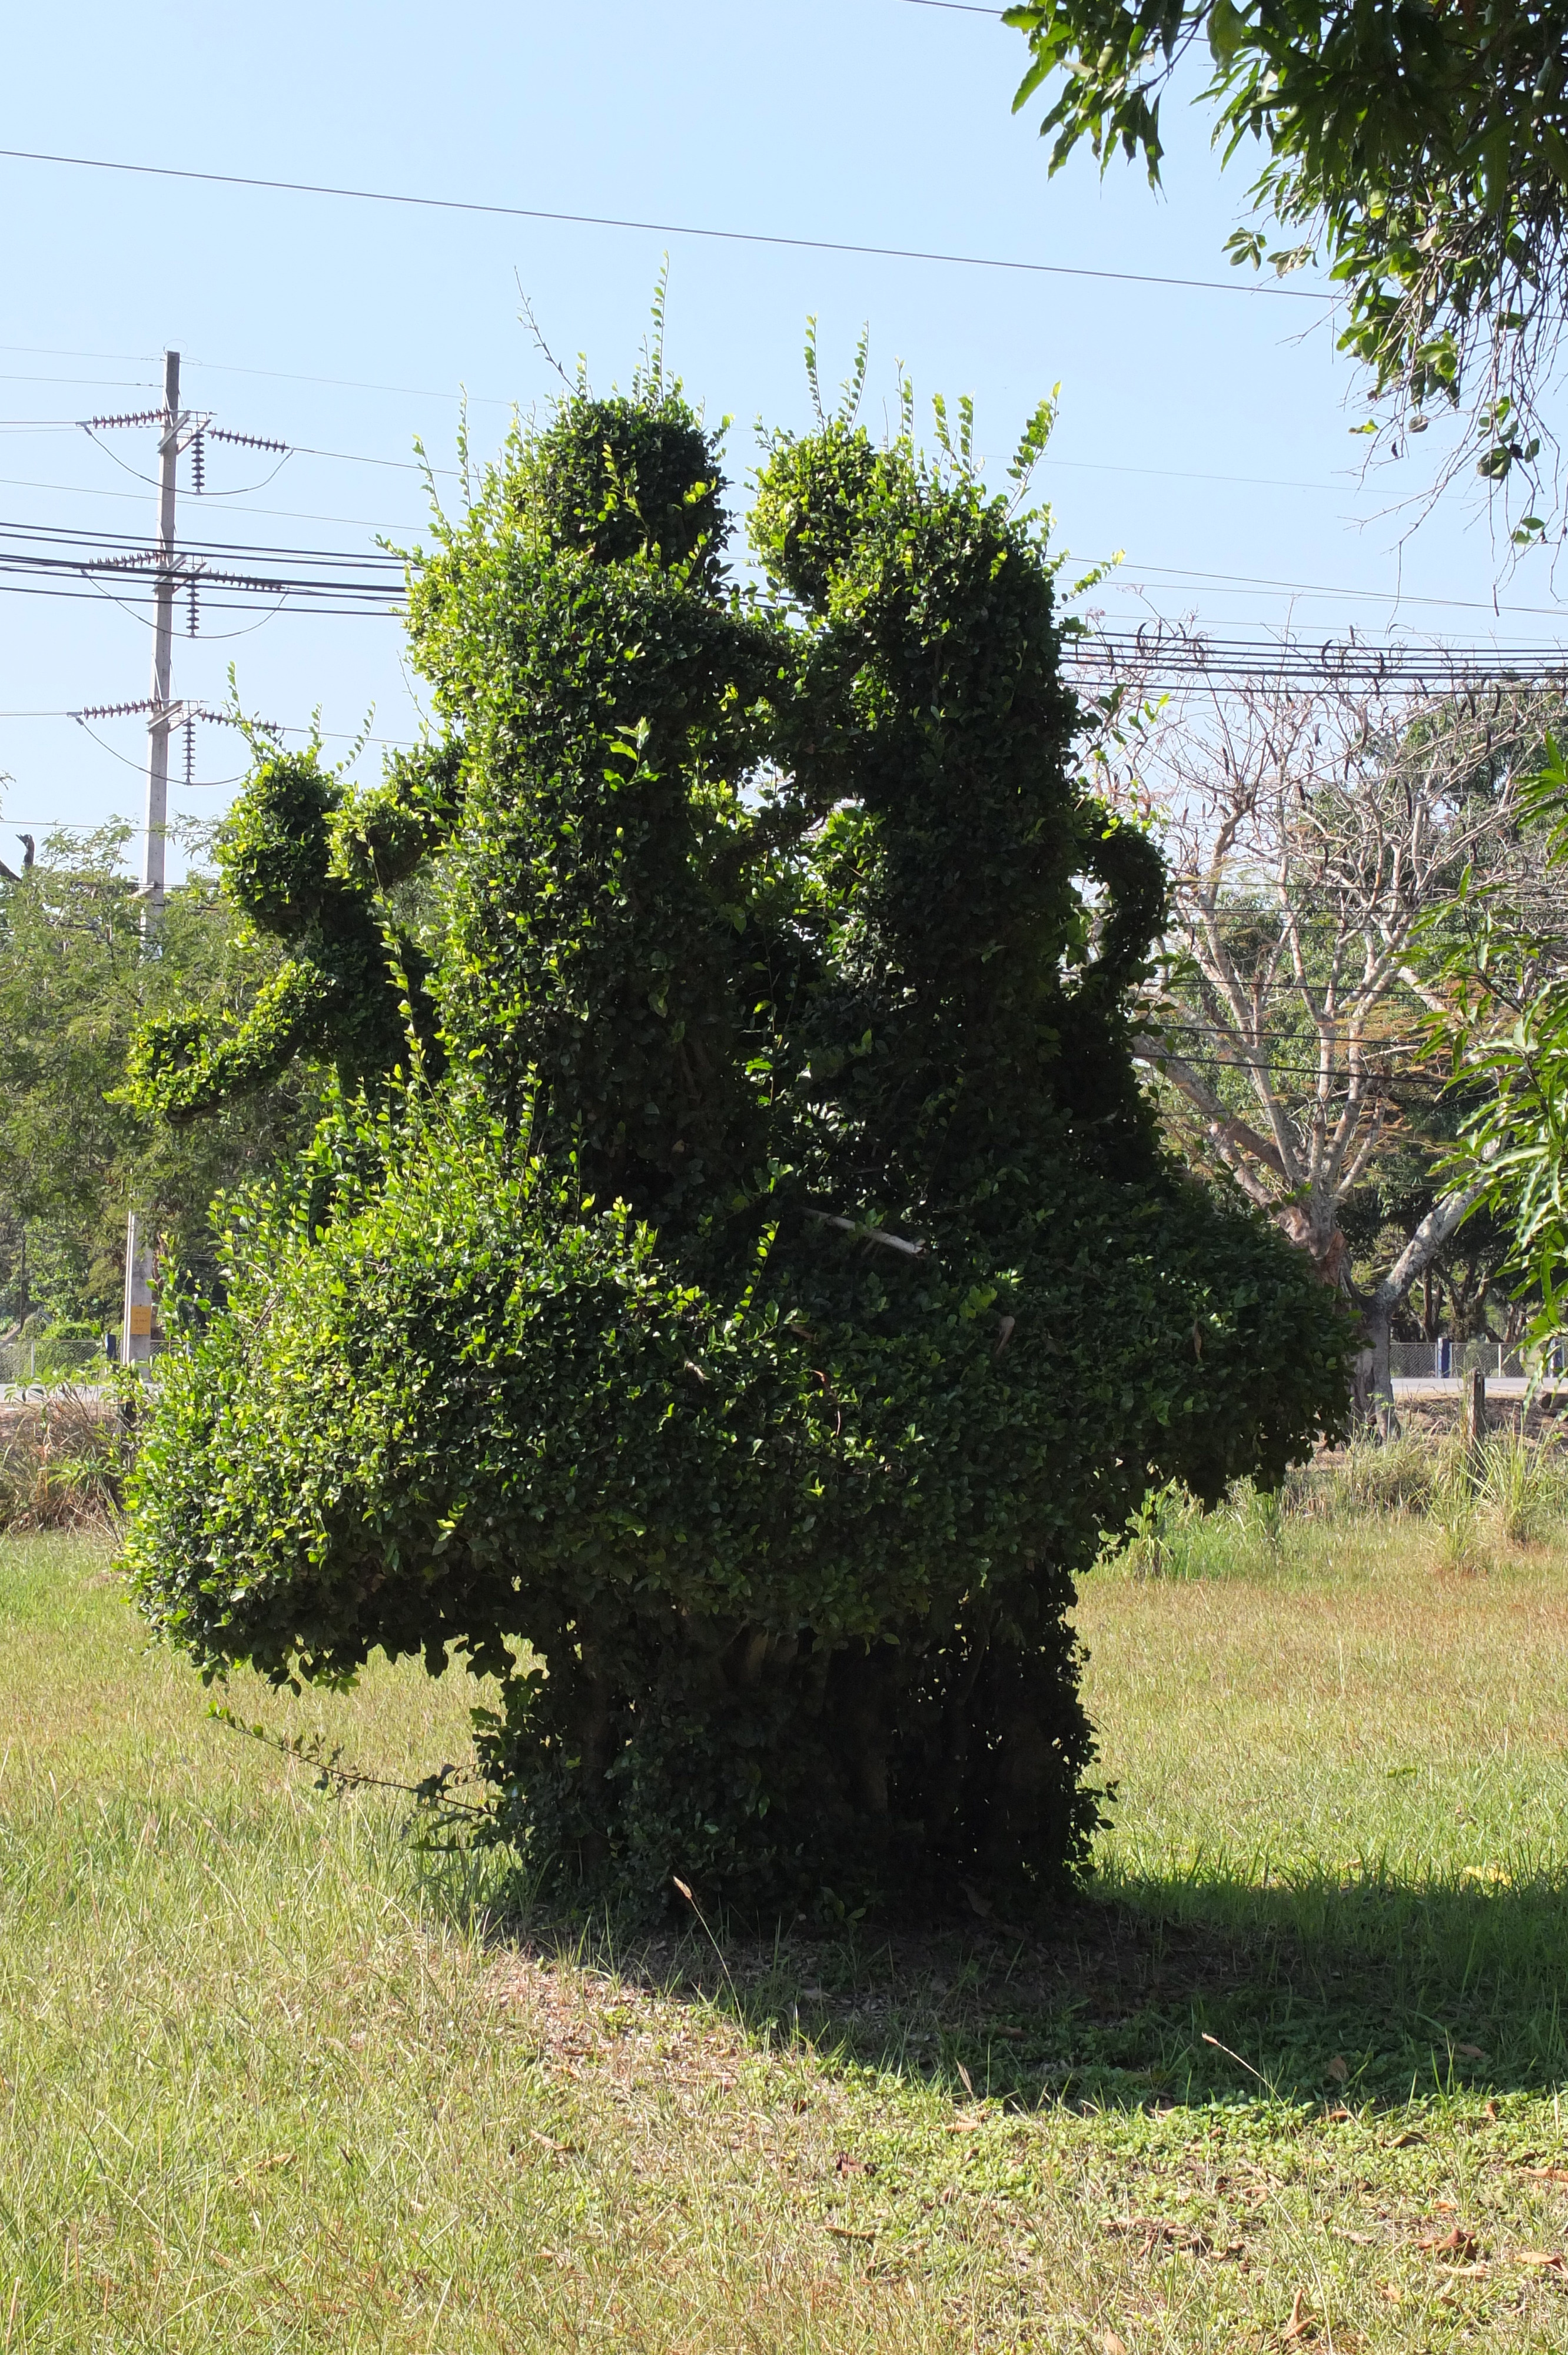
1310	832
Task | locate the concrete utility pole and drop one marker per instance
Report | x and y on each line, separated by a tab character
161	720
178	429
136	1334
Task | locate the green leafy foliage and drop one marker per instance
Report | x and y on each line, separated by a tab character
313	878
1425	148
1506	1026
75	986
743	1344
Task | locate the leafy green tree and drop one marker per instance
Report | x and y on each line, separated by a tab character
1420	151
1500	949
743	1344
76	986
1466	1290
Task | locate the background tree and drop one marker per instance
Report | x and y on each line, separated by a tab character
1502	949
784	1285
1468	1290
1310	837
1422	152
75	987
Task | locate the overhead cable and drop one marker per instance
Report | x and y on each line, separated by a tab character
1159	656
666	228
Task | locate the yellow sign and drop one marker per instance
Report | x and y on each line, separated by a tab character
141	1322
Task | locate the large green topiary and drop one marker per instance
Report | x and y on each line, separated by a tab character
745	1341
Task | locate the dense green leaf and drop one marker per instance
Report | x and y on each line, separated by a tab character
783	1285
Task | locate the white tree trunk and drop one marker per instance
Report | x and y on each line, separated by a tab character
1414	1260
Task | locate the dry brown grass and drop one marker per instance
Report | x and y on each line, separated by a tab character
63	1459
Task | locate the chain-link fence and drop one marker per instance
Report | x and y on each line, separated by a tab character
51	1359
1426	1361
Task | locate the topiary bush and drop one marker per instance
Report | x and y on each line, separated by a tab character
308	867
741	1342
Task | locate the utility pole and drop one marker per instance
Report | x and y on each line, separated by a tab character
154	843
178	429
140	1269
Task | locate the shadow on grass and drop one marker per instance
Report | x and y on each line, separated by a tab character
1149	1993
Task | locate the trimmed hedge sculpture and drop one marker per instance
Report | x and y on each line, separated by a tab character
742	1331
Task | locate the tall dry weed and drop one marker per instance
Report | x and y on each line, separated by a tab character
1524	1482
63	1462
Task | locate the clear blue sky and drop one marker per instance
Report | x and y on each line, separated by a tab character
1204	434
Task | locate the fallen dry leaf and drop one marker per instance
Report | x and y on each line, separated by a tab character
848	2232
1406	2141
1338	2069
1546	2174
1544	2260
1459	2244
1112	2343
1300	2325
1160	2230
1470	2051
1335	2117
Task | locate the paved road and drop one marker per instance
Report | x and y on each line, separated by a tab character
1498	1386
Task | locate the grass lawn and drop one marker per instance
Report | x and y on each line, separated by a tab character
273	2080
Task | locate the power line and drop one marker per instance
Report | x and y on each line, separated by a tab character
40	555
413	466
356	384
666	228
1129	569
233	367
228	502
296	449
209	603
56	352
497	400
97	383
1161	657
113	541
328	735
356	458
